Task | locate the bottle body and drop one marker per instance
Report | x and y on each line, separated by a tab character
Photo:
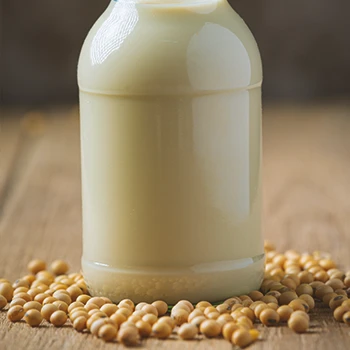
171	158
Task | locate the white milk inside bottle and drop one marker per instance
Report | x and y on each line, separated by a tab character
170	103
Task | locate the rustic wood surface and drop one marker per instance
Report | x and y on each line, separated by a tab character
306	207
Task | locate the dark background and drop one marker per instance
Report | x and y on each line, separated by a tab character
304	44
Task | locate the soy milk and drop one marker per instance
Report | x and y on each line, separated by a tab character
170	102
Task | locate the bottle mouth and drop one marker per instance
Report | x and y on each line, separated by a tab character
168	2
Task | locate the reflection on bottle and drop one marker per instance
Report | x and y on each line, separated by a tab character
112	33
217	60
221	146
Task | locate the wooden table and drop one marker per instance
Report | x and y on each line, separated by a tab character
306	207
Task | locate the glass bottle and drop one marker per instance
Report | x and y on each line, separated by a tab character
170	103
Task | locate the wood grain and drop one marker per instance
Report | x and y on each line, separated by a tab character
306	207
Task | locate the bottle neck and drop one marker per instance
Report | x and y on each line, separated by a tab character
168	2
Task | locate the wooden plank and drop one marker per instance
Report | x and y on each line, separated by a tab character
10	148
44	209
306	206
306	179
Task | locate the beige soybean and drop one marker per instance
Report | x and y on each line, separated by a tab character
284	312
61	305
259	309
225	318
20	290
188	303
109	301
29	278
59	295
161	330
145	329
124	303
79	308
335	283
269	317
274	293
198	320
209	309
109	309
180	316
77	314
304	288
204	304
301	313
322	290
194	314
49	300
134	318
58	318
92	319
161	306
14	302
336	301
289	282
118	319
269	299
298	323
339	312
255	304
91	306
74	292
242	338
47	310
308	299
223	308
128	324
75	305
79	323
6	290
245	322
299	304
187	331
139	306
97	301
213	315
97	324
40	297
107	332
15	313
83	298
150	318
150	309
36	265
32	305
341	292
33	317
97	313
210	328
287	297
140	313
346	318
228	329
256	295
59	267
328	297
129	336
273	306
125	311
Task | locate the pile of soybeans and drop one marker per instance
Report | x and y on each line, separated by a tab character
292	284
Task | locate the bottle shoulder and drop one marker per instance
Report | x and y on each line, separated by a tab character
141	49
